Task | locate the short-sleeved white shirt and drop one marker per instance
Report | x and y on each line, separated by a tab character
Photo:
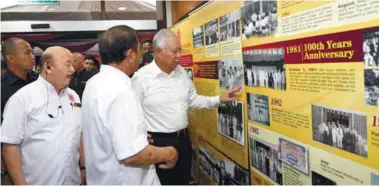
165	98
114	130
49	146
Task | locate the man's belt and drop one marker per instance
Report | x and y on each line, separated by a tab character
179	133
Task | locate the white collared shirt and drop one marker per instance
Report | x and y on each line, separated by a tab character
49	146
114	130
165	98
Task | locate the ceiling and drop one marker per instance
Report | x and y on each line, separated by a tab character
83	10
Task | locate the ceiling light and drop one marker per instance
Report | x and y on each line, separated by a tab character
122	8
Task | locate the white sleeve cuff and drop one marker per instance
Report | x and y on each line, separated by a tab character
8	140
133	148
215	101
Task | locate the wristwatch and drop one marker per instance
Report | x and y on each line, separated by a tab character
82	167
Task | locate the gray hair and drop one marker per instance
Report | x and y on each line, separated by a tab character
161	37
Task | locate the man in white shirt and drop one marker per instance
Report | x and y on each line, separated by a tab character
42	126
334	133
369	60
254	17
339	135
249	77
114	128
264	24
166	92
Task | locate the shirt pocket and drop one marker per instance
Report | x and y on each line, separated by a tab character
158	93
181	89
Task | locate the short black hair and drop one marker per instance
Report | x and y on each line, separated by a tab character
95	61
147	41
146	57
9	46
115	41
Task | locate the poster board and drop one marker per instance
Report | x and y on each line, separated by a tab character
309	87
310	99
218	66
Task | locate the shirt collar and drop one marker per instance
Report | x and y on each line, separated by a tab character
80	73
116	73
157	71
50	87
12	78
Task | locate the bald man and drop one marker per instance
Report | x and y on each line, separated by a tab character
78	61
42	126
81	75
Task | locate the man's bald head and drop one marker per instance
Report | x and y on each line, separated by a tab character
78	61
78	55
51	54
57	66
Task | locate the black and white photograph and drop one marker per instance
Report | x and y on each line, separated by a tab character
223	172
198	37
259	18
265	68
371	87
189	73
230	73
258	108
265	157
374	179
295	155
371	48
211	32
230	26
207	162
230	121
346	130
318	179
194	169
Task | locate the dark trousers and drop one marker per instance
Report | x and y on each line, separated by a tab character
180	175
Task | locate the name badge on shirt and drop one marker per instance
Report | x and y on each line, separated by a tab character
77	105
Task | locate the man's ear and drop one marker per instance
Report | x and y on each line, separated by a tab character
9	58
129	55
159	51
47	66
